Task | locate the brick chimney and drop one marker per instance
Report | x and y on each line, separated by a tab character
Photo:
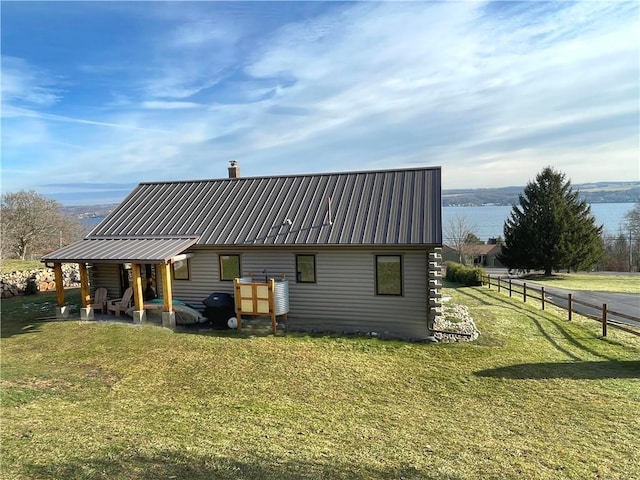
234	170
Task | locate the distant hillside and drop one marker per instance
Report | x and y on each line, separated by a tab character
89	211
601	192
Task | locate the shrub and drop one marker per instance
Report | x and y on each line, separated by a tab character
468	276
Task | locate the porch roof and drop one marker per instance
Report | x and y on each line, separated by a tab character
155	249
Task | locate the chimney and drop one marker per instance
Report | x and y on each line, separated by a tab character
234	170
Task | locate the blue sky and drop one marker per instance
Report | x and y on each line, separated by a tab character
98	96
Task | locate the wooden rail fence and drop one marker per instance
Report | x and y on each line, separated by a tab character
602	313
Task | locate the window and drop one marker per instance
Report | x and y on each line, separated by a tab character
306	268
388	275
181	269
229	267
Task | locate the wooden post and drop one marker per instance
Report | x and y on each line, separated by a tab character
509	286
498	284
138	298
165	275
57	271
237	298
489	281
542	296
569	306
168	315
84	285
524	292
604	319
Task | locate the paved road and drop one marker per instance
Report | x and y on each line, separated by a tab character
625	303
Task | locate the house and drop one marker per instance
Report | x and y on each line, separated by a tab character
361	250
482	255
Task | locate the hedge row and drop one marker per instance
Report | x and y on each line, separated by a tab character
468	276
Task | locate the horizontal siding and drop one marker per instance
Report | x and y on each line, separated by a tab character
106	275
203	280
343	299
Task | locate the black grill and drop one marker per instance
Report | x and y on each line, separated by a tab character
219	308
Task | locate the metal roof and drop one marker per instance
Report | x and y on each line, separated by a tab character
389	207
122	250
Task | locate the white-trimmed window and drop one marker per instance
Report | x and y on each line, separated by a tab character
229	266
388	274
181	269
305	268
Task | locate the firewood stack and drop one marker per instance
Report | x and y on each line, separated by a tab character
14	283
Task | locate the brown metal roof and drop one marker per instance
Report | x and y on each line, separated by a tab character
122	250
390	207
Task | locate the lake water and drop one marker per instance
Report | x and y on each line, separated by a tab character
489	221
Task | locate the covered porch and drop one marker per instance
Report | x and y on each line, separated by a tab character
161	251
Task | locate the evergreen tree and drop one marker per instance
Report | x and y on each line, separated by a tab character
552	228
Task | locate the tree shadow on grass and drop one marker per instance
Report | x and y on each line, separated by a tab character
551	318
10	328
467	291
177	465
26	314
569	370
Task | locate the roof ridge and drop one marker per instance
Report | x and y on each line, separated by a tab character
293	175
143	237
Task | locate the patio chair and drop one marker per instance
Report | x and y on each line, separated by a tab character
99	300
120	305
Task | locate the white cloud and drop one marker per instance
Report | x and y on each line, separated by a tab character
27	84
160	105
492	92
427	72
204	32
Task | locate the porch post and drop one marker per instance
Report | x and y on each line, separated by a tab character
86	312
139	313
168	315
62	310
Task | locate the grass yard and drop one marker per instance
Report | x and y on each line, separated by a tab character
12	265
589	281
536	397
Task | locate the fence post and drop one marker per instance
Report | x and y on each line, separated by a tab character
498	284
509	286
524	292
489	278
604	319
569	306
542	296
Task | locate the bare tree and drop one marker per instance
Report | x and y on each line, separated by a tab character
632	220
459	236
616	253
32	223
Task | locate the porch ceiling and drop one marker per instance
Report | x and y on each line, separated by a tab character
122	250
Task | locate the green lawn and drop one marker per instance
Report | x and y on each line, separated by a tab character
587	281
536	397
13	265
